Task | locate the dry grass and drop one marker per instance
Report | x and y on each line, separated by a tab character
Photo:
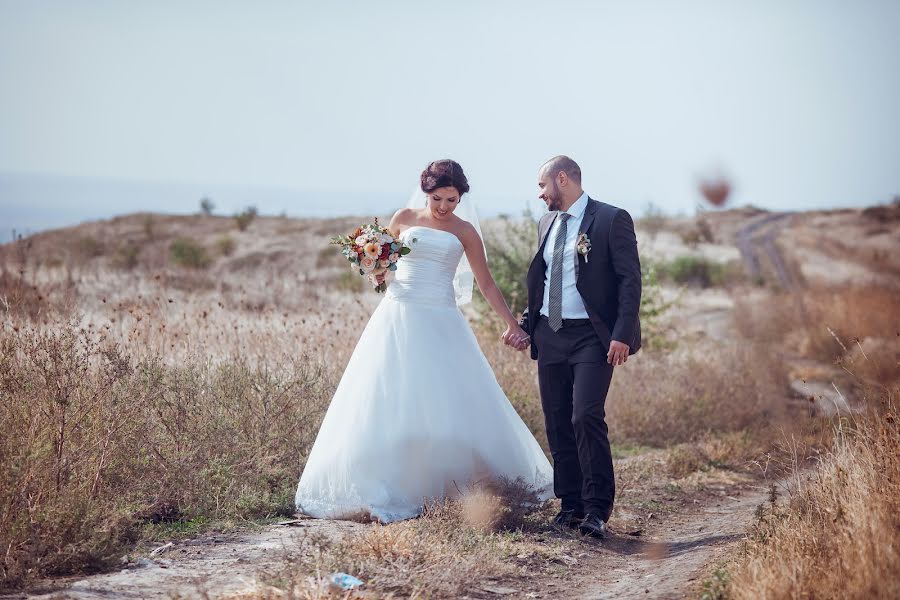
175	394
454	546
821	322
837	536
669	398
105	443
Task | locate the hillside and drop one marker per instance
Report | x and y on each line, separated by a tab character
168	375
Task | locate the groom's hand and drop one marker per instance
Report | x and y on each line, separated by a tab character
618	353
515	337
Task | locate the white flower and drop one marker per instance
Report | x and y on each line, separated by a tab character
361	241
583	246
386	239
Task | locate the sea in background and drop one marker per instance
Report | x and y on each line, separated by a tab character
31	202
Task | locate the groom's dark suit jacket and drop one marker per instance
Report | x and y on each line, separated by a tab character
609	280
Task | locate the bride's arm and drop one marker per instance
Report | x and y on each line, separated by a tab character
398	219
474	247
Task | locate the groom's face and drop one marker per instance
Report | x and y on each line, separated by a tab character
549	191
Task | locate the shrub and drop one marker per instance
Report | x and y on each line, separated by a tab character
90	247
149	225
207	206
127	256
653	220
189	253
511	245
653	309
701	232
697	271
245	217
226	245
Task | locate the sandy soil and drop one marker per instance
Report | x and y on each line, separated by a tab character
668	558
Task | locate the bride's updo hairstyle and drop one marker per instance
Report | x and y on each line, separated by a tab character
444	173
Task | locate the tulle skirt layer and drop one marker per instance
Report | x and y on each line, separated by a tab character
418	415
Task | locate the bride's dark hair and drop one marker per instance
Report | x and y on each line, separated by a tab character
444	173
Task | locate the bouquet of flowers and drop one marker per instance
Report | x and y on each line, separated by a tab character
372	250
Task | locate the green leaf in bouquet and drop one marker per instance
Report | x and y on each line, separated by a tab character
405	251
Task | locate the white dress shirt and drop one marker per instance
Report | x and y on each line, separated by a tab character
572	304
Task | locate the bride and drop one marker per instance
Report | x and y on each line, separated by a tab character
418	413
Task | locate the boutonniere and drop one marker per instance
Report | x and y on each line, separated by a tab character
583	245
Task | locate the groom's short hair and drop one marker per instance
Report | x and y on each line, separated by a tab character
565	164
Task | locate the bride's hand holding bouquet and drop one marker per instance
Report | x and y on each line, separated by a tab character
372	251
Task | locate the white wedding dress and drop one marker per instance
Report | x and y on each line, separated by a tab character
418	413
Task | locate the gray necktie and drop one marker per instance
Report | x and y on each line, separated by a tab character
556	274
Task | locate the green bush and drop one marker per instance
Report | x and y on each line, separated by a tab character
697	271
189	253
511	245
653	309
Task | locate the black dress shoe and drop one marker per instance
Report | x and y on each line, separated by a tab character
568	518
593	526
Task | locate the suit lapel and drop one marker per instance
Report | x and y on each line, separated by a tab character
546	231
586	221
543	238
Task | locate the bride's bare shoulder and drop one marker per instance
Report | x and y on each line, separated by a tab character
402	218
466	232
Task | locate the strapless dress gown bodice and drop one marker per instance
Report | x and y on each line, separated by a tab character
425	275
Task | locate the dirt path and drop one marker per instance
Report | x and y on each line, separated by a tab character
757	238
208	566
674	559
668	560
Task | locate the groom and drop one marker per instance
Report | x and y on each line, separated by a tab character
584	291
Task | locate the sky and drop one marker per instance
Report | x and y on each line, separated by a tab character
314	108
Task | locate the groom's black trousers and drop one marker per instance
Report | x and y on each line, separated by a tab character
574	377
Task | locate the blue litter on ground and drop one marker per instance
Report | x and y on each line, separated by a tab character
345	581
